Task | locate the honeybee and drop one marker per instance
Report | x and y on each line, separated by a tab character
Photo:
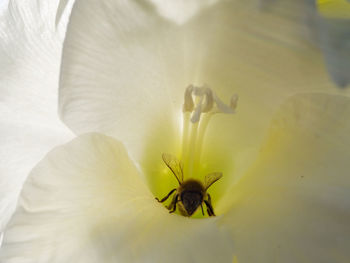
191	193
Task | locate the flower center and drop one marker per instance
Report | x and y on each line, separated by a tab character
176	171
200	104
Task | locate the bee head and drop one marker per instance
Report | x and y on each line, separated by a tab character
191	200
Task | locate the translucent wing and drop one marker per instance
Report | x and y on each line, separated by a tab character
210	179
174	165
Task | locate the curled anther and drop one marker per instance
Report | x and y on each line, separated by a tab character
200	100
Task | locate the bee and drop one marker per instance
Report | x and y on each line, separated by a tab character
191	193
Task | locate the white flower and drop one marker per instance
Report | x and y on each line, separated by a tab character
284	196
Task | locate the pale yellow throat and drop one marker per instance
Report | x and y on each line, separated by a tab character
200	104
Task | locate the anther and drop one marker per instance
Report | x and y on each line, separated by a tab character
223	108
200	100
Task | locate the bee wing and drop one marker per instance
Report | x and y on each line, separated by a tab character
174	165
210	179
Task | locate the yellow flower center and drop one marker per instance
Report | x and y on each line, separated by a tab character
200	105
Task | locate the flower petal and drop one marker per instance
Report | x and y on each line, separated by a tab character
85	202
30	51
125	69
294	204
63	11
112	83
181	11
22	145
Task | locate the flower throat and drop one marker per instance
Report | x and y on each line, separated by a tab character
200	103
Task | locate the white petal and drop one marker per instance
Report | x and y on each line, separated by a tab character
181	11
294	203
113	84
3	5
63	12
85	202
22	146
30	50
125	69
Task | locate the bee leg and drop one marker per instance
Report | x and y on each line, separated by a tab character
202	210
209	213
211	206
165	198
173	204
210	209
170	206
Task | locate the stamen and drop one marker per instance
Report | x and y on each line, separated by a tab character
188	104
197	113
200	104
204	102
206	96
